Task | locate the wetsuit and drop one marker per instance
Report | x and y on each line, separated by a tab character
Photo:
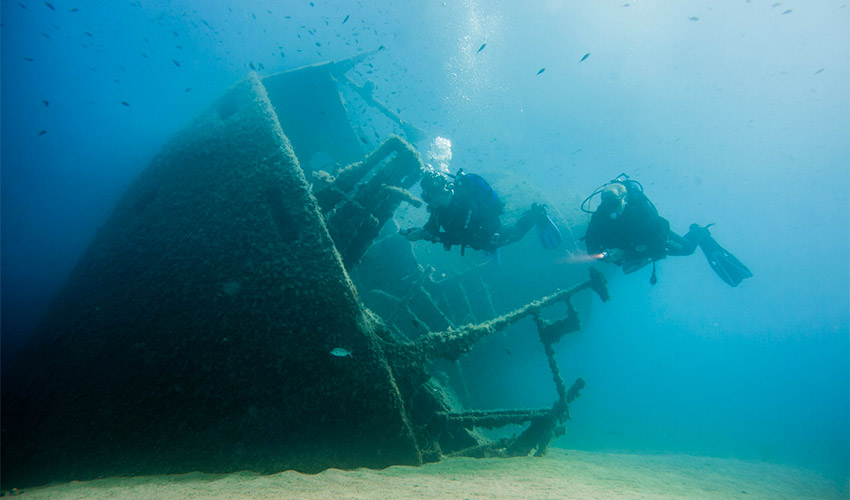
472	218
642	234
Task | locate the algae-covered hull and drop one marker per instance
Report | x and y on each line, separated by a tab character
196	331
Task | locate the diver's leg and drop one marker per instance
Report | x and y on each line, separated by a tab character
514	233
683	245
548	233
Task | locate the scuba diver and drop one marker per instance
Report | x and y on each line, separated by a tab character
626	230
466	212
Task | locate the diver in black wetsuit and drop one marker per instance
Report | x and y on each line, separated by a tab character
467	212
626	230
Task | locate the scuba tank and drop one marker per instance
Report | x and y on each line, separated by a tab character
476	188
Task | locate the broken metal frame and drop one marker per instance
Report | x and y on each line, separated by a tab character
546	424
356	211
339	69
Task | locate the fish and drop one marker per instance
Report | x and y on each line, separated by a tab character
584	57
251	65
176	62
541	70
693	18
125	103
49	6
74	10
819	71
188	89
42	132
29	59
481	47
44	101
339	352
788	11
346	19
88	34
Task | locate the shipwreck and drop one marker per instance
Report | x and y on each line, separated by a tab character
197	332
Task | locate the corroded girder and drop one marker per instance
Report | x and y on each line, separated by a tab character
451	344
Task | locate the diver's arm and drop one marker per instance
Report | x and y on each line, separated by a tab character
432	227
415	233
598	249
430	231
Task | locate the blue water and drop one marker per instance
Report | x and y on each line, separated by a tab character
734	113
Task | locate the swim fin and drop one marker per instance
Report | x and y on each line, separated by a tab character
547	232
727	266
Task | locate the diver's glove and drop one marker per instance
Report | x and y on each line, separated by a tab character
612	255
415	233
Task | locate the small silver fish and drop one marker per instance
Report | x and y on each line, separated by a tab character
341	353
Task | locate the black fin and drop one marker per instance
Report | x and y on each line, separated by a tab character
727	266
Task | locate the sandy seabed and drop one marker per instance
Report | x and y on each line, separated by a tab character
561	474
